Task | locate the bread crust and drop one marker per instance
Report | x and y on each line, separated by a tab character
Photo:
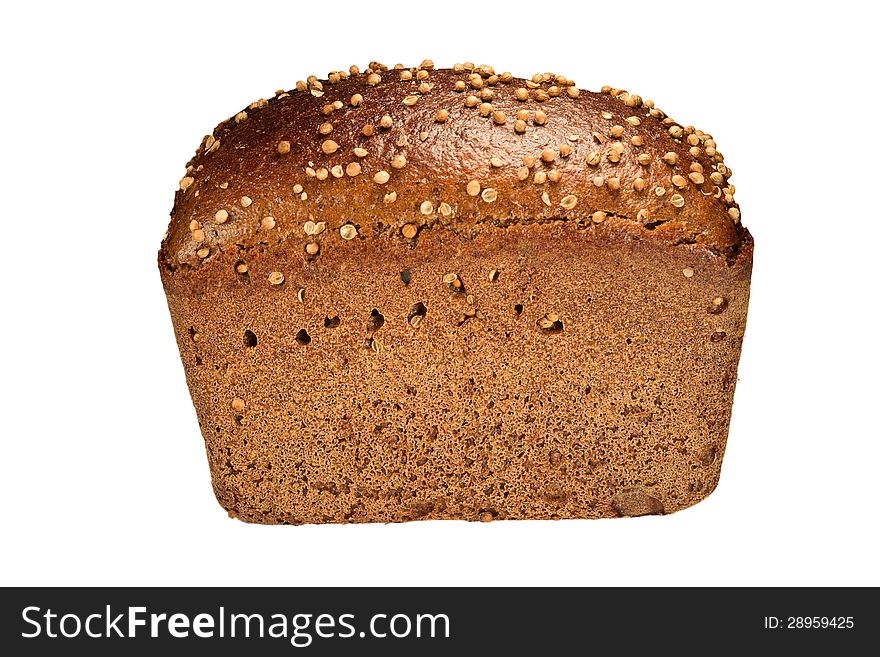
583	164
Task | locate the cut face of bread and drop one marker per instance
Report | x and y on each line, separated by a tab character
592	379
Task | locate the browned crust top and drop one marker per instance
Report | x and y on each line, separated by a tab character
404	149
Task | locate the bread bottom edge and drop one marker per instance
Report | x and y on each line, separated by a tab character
632	502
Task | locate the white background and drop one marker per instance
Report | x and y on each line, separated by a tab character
103	473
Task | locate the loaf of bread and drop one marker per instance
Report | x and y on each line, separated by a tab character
419	293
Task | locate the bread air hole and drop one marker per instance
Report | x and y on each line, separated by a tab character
303	337
417	314
518	308
376	321
550	325
331	322
250	338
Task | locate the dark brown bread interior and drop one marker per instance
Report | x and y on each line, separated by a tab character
517	300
